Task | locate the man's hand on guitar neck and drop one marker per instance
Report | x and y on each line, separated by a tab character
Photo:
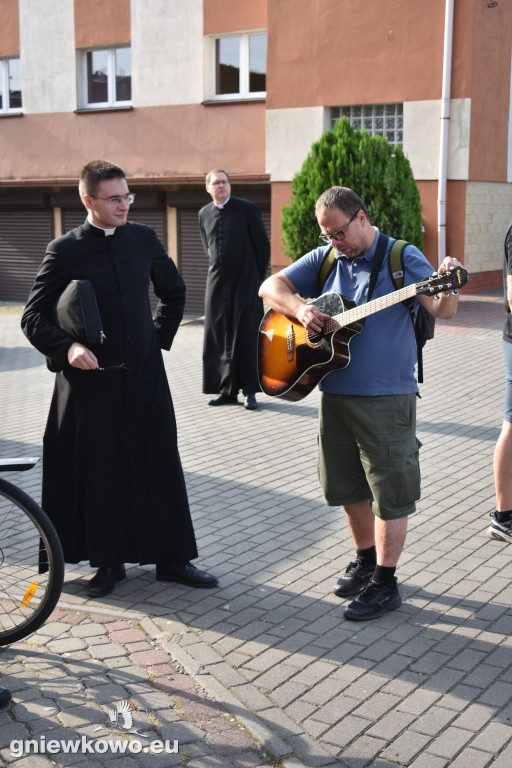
444	305
448	263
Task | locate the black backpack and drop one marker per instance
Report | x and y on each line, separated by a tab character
422	321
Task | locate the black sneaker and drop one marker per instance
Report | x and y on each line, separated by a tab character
372	602
354	579
500	531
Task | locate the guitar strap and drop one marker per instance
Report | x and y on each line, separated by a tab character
326	268
380	250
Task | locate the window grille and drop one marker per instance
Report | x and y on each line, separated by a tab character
378	119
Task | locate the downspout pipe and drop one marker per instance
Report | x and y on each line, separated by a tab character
444	132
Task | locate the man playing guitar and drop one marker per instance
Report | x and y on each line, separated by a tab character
368	450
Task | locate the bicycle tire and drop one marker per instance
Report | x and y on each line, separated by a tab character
31	564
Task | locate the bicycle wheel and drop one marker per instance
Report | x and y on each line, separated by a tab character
31	564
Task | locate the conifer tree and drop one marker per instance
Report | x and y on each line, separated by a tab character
379	173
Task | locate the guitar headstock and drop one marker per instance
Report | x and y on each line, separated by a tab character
451	280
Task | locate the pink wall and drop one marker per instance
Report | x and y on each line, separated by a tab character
9	29
490	92
100	23
318	52
233	15
161	143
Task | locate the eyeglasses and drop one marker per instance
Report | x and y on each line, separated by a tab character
216	183
340	235
117	199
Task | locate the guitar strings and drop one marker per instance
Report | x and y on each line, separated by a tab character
363	310
346	318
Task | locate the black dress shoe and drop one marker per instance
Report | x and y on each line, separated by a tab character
5	697
185	574
105	580
250	402
375	600
223	399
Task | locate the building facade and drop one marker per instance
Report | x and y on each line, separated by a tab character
247	86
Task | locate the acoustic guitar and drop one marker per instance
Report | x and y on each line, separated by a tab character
292	361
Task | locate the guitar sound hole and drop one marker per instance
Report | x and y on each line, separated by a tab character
315	338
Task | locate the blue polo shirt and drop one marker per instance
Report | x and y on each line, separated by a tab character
384	354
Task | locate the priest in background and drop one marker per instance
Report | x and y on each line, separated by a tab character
236	243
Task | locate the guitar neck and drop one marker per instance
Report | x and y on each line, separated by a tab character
358	313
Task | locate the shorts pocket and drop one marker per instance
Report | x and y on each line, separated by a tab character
393	474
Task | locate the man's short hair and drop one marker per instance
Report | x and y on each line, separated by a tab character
216	170
94	173
341	197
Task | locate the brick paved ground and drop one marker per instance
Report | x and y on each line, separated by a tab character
264	670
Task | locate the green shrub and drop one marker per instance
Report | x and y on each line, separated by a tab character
379	173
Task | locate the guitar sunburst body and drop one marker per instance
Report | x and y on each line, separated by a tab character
291	361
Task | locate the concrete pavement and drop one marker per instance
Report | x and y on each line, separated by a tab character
264	670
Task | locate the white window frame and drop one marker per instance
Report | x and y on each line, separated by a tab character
243	93
4	80
336	113
84	103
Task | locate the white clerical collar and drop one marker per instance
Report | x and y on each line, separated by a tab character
107	232
220	207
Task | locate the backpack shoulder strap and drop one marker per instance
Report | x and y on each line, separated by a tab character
396	269
325	268
396	263
397	272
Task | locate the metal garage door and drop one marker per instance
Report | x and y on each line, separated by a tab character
24	236
192	260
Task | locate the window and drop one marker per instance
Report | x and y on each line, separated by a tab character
240	66
10	85
106	78
378	119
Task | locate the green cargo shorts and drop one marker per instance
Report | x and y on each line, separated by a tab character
368	449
